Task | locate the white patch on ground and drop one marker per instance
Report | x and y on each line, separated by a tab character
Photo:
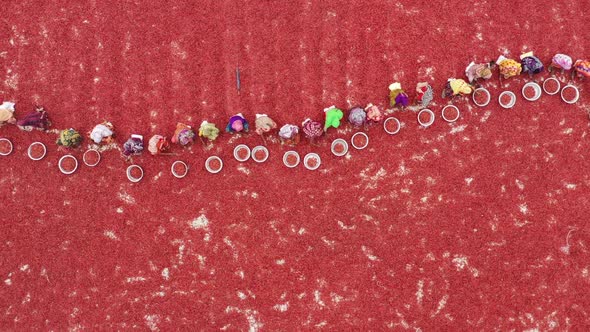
568	131
570	186
458	129
523	208
441	304
329	243
372	179
402	170
343	226
152	322
166	274
280	262
420	292
119	210
241	295
157	176
201	222
317	298
369	253
243	169
135	279
468	181
125	197
8	282
460	262
11	80
254	324
486	116
519	184
230	244
111	235
177	51
281	307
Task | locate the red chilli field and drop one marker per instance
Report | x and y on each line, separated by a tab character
455	227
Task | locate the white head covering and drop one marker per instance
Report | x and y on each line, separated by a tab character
99	132
395	86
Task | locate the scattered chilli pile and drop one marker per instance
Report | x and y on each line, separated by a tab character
103	134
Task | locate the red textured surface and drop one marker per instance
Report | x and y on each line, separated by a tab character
455	227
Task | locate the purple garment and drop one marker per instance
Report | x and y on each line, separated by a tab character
37	119
132	146
357	116
234	118
532	64
402	99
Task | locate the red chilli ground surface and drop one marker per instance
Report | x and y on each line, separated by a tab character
458	226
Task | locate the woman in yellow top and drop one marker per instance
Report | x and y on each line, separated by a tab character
508	67
456	87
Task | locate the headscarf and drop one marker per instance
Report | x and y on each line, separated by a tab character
237	123
37	119
508	67
374	114
69	138
208	130
333	117
288	131
101	132
7	112
158	144
357	116
459	86
479	70
582	67
531	64
425	93
264	124
134	145
312	129
562	61
397	96
183	135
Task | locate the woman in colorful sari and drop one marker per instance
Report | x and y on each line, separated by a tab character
312	129
456	87
531	64
374	114
133	146
477	71
560	61
264	124
102	133
237	124
333	117
158	144
508	68
37	119
183	135
69	138
397	96
209	131
357	117
581	69
289	134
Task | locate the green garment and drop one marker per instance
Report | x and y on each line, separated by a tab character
209	131
333	117
69	138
